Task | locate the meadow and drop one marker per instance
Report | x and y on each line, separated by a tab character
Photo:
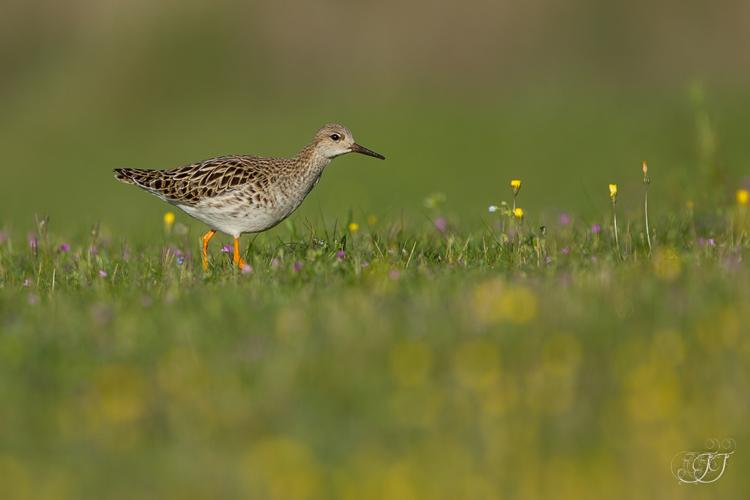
465	320
378	358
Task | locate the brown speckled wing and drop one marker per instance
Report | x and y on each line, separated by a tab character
193	183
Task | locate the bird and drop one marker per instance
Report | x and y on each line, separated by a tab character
240	194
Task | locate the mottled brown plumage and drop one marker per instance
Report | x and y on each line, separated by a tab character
241	194
208	179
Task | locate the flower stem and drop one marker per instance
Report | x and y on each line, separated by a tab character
645	211
614	221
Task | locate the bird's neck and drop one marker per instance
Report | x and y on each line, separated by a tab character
310	162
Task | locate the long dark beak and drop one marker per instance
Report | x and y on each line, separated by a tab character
356	148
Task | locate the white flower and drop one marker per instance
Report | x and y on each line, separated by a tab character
493	208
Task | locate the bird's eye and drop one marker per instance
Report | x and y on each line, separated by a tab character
335	137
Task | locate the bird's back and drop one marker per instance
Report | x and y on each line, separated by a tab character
191	184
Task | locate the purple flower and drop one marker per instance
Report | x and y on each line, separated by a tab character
596	229
175	251
180	260
564	219
441	224
33	243
63	248
341	255
565	250
706	242
102	273
247	269
297	266
226	249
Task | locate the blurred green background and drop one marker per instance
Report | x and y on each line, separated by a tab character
461	97
472	370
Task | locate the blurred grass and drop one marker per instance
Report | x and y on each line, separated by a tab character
421	365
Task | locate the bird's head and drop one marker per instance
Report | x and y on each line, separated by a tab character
334	140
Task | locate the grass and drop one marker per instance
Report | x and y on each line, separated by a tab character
439	351
407	359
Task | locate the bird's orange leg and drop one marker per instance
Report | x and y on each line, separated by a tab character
204	255
238	261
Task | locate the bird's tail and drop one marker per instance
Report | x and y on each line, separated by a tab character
136	176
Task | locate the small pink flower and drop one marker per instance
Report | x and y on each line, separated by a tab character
63	248
341	255
596	229
297	266
175	251
247	269
275	263
564	219
565	250
33	243
102	273
441	224
226	249
394	274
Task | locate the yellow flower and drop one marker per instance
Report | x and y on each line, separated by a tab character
353	227
515	184
742	196
518	212
613	191
372	220
168	221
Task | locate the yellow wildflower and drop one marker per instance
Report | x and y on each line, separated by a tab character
353	227
613	191
515	184
742	196
168	221
518	212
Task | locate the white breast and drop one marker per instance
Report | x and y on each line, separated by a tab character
235	220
